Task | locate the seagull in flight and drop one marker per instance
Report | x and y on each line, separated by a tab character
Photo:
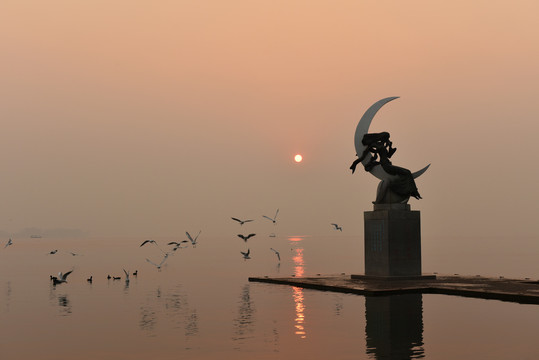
337	227
245	238
9	242
193	241
246	254
126	276
274	218
241	221
177	245
151	242
148	242
61	278
276	253
158	266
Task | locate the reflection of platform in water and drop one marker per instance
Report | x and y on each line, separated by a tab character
514	290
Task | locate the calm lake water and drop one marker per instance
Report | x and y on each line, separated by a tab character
201	306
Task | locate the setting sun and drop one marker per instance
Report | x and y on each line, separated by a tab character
298	158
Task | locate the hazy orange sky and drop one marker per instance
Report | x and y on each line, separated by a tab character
153	118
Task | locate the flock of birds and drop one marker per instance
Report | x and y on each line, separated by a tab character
62	277
247	254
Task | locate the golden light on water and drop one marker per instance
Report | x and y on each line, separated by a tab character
295	238
300	315
298	292
298	262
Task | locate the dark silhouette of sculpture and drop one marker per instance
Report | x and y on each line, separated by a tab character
374	151
399	184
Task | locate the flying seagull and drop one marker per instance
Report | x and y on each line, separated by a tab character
151	242
177	245
61	278
241	221
246	254
193	241
337	227
148	242
158	266
126	276
245	238
274	218
277	253
9	242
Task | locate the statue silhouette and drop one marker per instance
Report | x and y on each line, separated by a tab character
402	182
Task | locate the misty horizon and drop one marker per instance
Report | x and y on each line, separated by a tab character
154	121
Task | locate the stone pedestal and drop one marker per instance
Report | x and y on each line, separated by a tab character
392	242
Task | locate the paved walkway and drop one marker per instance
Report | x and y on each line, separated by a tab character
515	290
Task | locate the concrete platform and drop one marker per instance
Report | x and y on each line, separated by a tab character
522	291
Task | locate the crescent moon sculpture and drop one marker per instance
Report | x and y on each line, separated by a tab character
385	192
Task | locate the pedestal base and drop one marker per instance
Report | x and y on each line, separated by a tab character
392	242
371	277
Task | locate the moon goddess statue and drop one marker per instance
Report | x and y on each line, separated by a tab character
397	184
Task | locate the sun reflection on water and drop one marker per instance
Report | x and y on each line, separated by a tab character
297	291
298	262
300	315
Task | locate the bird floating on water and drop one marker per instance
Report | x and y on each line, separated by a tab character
246	254
193	241
276	253
245	238
274	219
241	221
135	273
337	227
89	279
53	252
116	277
